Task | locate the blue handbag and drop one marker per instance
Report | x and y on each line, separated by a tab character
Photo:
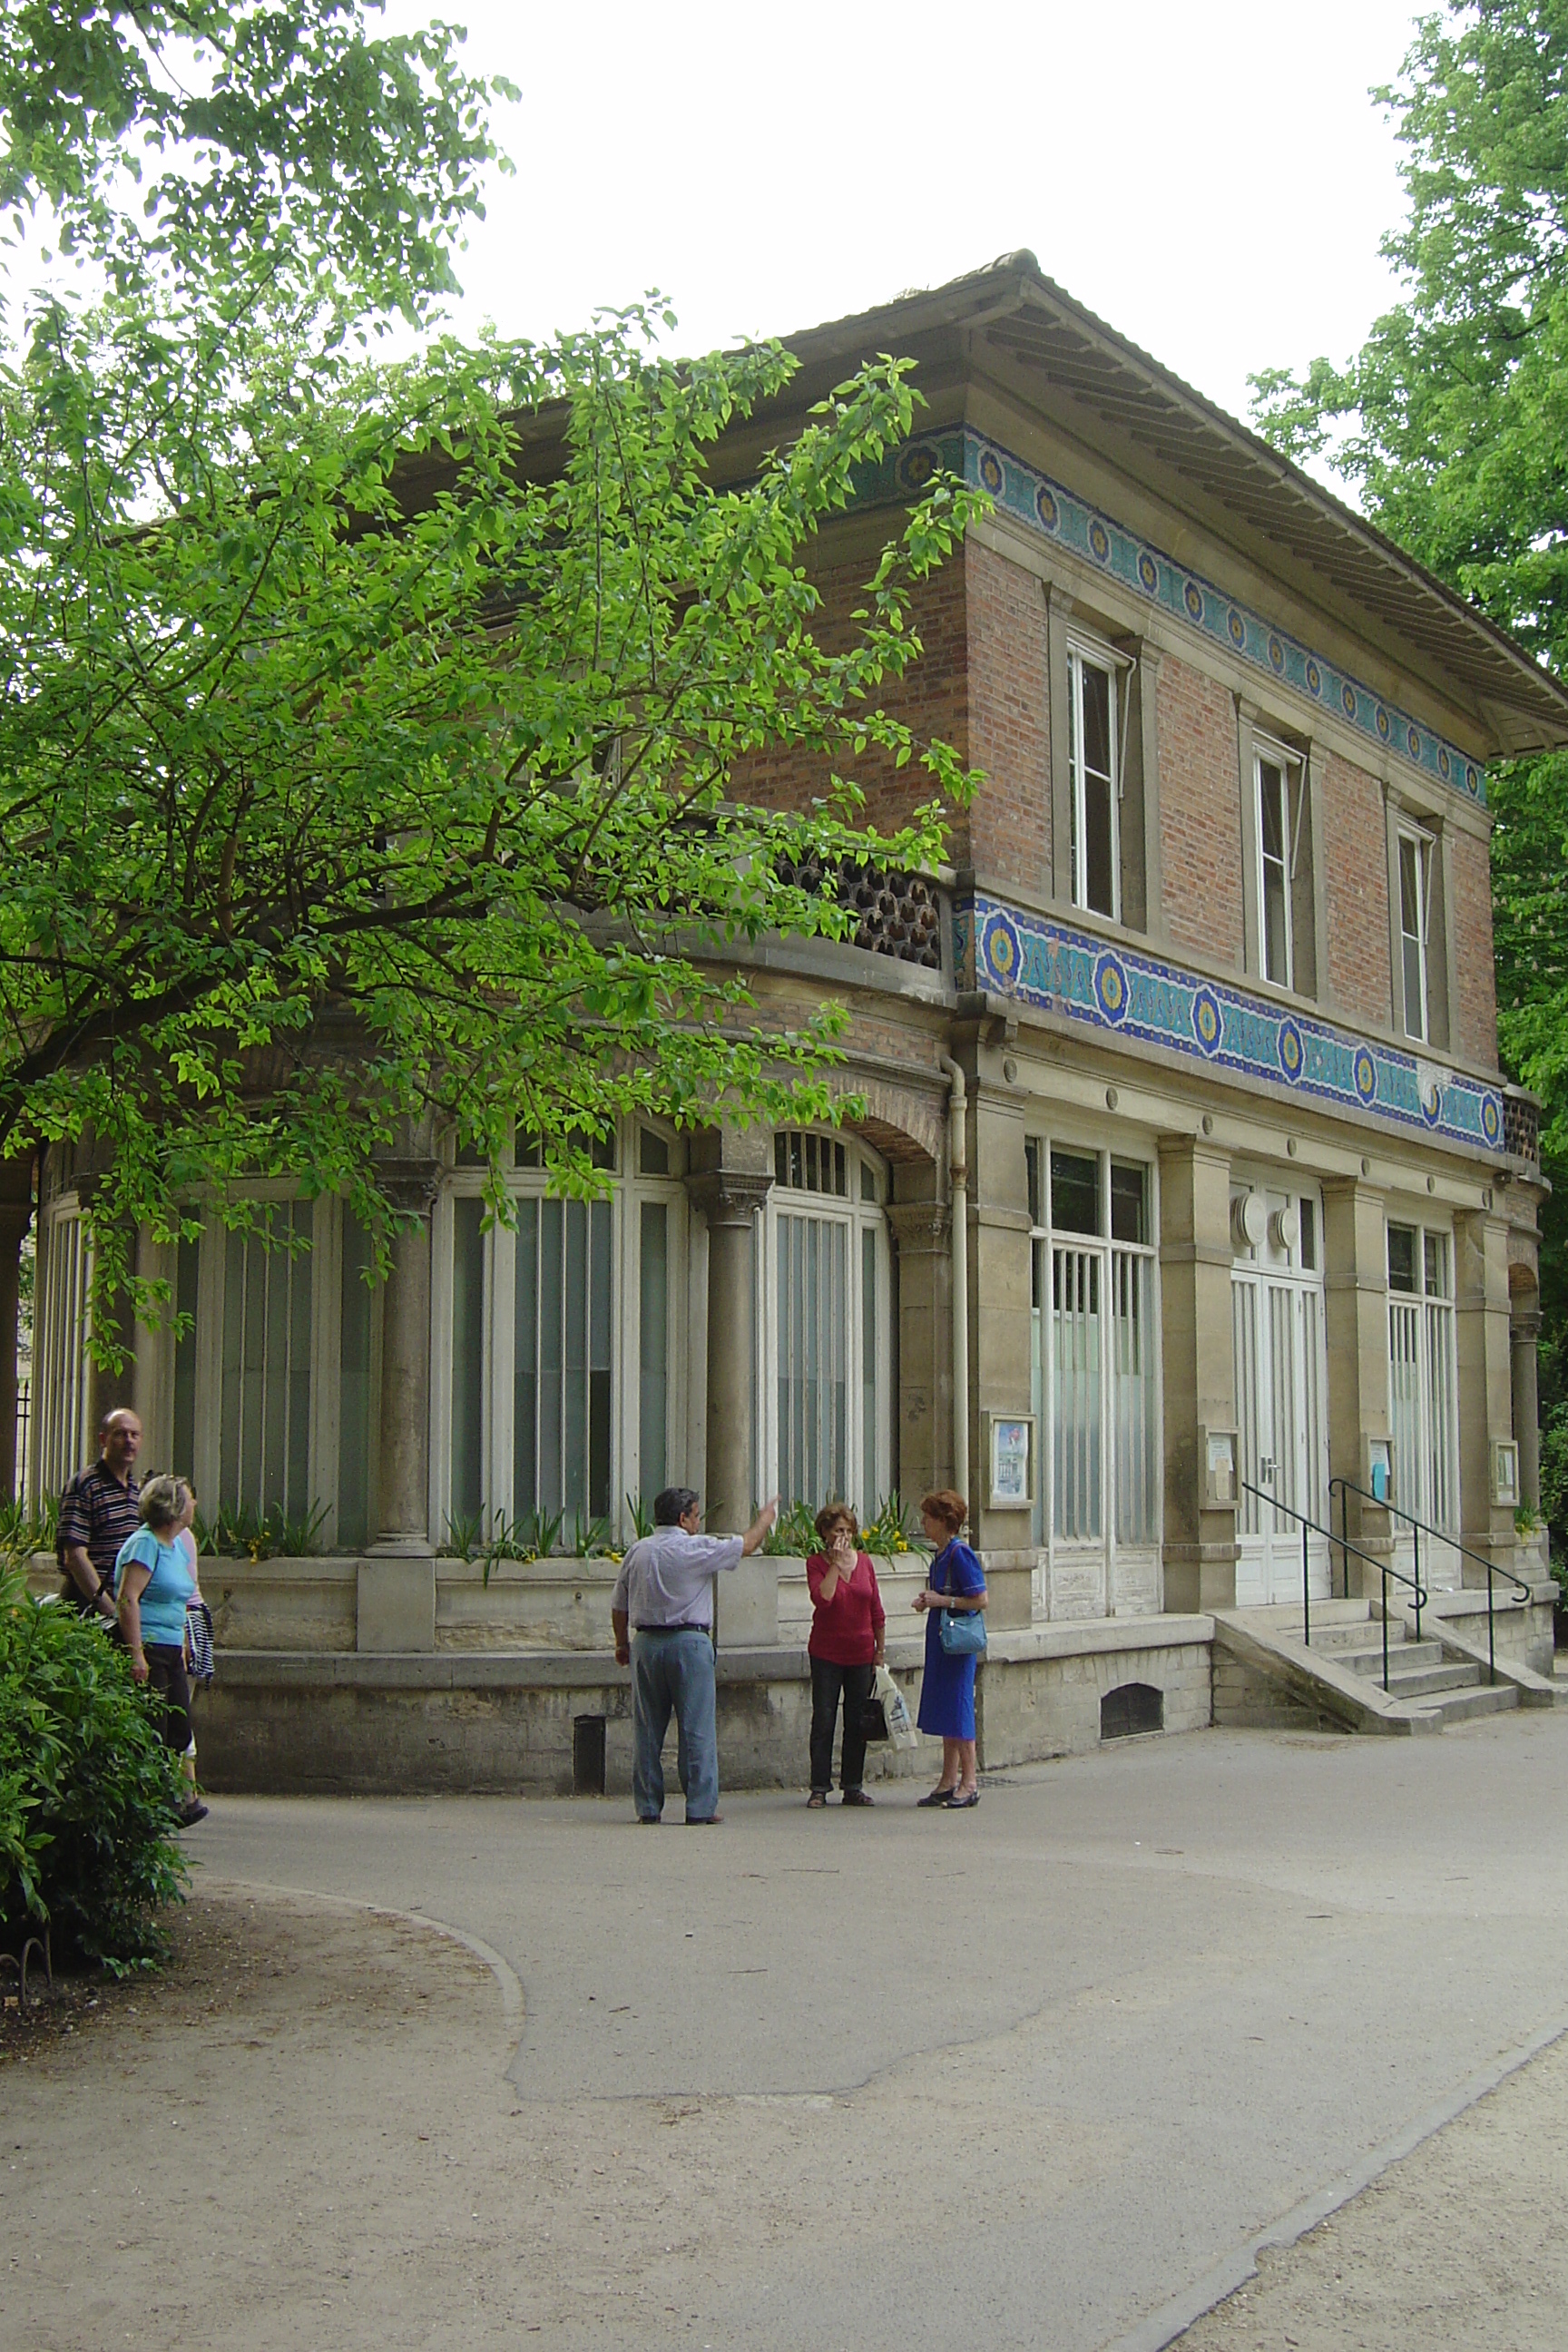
962	1631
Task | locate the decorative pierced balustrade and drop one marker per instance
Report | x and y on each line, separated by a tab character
898	915
1521	1126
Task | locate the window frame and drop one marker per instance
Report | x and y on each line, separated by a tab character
1056	1552
858	1215
627	1189
1116	668
1267	752
1423	845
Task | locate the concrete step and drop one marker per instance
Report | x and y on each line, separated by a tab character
1486	1698
1428	1682
1409	1657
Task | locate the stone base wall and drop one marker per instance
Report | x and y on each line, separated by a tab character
491	1722
1524	1633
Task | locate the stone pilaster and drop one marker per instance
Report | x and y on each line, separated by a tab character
729	1183
1524	1337
16	1215
1486	1392
402	1516
1198	1352
922	1236
1355	1307
1000	1327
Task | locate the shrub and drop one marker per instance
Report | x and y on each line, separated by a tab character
88	1791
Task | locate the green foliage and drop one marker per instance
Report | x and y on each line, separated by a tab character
640	1515
895	1531
24	1532
245	1533
88	1791
793	1534
271	144
1451	426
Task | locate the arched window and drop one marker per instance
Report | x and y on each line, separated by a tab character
826	1323
556	1371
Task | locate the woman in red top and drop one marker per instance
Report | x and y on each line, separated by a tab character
846	1647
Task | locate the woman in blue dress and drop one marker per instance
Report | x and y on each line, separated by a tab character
956	1582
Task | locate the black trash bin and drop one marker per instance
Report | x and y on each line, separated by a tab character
588	1755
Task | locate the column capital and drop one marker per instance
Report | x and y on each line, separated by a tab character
410	1185
920	1228
727	1196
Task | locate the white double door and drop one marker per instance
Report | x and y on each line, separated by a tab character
1281	1396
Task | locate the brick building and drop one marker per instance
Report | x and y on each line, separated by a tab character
1245	1206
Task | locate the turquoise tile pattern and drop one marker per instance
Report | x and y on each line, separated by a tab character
1054	512
1068	972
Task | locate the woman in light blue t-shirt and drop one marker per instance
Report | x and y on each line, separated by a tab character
153	1583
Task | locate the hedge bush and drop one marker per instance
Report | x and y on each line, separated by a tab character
88	1791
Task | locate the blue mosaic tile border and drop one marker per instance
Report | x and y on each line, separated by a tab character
1054	512
1065	970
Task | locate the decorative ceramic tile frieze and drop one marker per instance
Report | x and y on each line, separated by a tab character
1068	972
1053	512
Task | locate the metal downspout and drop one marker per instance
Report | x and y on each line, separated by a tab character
958	1180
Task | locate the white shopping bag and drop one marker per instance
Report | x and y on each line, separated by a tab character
896	1708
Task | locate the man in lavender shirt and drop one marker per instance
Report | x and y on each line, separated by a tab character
662	1609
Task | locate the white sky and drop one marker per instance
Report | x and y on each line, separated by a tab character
1212	179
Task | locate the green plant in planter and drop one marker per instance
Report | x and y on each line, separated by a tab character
793	1534
895	1532
465	1536
24	1532
88	1791
640	1515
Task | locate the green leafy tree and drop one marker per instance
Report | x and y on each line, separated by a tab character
1451	427
366	731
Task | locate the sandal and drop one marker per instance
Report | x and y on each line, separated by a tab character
938	1796
956	1804
815	1801
856	1797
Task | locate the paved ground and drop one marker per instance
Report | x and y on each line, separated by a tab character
1021	2077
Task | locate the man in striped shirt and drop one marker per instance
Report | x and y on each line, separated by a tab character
98	1509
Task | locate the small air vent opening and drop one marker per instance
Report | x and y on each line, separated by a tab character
1135	1708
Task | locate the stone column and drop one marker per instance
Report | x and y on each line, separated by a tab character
1355	1307
923	1238
1000	1324
397	1582
1197	1353
1486	1394
729	1196
1523	1336
14	1218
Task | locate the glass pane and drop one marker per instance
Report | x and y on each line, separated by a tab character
525	1362
599	1360
186	1269
1095	720
354	1373
653	1391
297	1473
1128	1198
1271	811
1076	1354
1402	1257
550	1238
467	1357
602	1150
574	1401
1134	1432
1309	1216
871	1331
1414	992
1099	846
868	1182
655	1150
233	1381
1075	1192
1409	889
1032	1164
1435	1254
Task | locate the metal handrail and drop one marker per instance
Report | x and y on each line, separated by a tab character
1349	1486
1315	1527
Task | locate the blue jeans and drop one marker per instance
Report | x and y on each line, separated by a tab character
675	1670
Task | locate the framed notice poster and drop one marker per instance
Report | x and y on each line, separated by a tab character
1012	1461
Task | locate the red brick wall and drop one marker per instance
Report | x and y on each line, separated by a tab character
1200	812
1474	1022
1355	852
1009	721
931	698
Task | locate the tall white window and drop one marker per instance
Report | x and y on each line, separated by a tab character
62	1371
554	1400
1280	1360
1422	1390
1093	754
1414	927
264	1398
826	1322
1280	799
1096	1356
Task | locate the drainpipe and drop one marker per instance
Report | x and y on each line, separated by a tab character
958	1177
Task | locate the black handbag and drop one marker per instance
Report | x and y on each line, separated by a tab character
874	1720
